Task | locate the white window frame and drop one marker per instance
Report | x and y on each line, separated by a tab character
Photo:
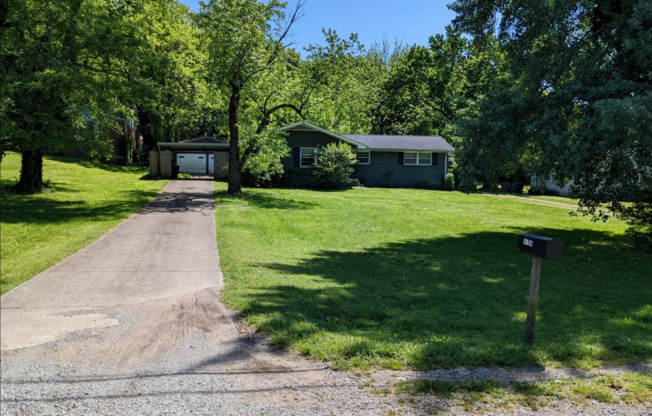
314	152
417	157
368	162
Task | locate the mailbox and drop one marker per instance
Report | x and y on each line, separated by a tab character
544	247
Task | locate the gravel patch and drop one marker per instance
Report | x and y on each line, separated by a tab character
228	371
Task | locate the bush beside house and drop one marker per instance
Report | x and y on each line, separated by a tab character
334	166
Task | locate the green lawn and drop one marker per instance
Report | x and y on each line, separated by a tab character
81	203
405	278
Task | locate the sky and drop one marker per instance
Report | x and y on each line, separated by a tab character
407	21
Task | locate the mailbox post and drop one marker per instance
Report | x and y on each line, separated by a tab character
541	248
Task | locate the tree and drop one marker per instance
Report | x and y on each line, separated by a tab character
426	88
346	78
171	93
577	102
245	45
70	68
57	74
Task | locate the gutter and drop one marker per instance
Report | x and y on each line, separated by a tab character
410	150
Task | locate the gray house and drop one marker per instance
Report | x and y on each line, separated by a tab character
381	160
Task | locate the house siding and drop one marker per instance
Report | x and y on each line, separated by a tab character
302	176
384	170
304	139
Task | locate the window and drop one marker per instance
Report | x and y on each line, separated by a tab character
308	157
417	158
363	157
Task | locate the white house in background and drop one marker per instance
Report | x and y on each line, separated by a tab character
550	185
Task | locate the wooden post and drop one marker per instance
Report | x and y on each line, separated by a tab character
221	161
532	300
154	163
166	163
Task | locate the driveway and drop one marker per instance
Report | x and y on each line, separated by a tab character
134	324
167	250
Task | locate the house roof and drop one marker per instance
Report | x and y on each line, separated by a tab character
201	144
305	126
396	143
206	139
380	142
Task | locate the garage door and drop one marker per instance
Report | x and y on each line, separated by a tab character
196	164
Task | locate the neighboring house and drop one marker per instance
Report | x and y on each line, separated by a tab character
127	141
381	160
550	186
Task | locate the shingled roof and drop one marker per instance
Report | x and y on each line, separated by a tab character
415	143
381	142
206	139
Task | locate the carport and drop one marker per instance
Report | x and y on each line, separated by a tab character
204	155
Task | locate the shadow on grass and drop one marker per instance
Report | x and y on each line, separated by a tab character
462	300
33	208
262	200
109	167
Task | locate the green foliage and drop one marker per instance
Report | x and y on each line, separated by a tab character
575	101
172	94
66	70
264	166
427	88
449	182
334	166
345	79
401	278
249	64
72	69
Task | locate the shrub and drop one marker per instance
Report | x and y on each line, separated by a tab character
334	166
455	169
449	182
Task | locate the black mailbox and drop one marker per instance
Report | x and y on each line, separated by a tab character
545	247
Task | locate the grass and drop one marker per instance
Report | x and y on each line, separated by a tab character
405	278
634	389
81	202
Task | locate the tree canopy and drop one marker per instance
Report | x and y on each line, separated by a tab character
575	102
559	88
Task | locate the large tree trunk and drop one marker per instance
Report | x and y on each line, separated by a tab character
235	170
31	171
